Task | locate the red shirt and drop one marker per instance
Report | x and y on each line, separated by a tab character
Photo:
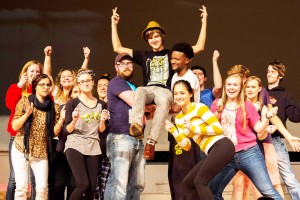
13	95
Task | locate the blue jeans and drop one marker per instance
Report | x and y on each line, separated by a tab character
285	169
252	163
11	186
127	177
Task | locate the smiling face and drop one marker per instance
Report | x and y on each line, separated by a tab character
181	95
32	71
252	90
102	88
233	85
67	79
155	40
179	61
273	76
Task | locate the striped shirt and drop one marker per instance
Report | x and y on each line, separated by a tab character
205	130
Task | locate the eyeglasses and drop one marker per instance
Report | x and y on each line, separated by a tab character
127	64
83	82
45	85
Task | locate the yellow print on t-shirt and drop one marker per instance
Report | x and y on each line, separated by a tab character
91	116
159	69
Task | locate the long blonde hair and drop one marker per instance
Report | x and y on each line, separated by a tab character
240	98
24	70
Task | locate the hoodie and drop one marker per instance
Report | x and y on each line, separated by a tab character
287	107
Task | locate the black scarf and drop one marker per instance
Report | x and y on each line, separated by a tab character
48	107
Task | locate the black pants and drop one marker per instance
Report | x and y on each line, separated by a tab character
84	169
60	177
181	162
195	184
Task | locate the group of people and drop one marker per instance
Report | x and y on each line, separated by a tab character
93	146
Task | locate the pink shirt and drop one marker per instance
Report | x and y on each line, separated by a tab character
232	123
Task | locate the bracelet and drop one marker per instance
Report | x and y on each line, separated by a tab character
268	117
59	123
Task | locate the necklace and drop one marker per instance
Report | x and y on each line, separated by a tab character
230	106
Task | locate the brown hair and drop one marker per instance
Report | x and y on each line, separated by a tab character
243	71
279	67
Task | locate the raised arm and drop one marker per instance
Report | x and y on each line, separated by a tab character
217	90
86	53
47	61
117	46
199	46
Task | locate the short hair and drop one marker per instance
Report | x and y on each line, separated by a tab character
200	68
241	70
279	67
184	48
152	31
105	76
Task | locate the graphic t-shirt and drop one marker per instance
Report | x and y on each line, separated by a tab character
157	69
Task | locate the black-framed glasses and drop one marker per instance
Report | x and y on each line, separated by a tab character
84	81
127	64
45	85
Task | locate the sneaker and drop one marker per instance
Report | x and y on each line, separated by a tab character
136	130
149	150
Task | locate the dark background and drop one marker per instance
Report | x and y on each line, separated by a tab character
248	32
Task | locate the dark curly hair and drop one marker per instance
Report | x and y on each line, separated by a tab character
184	48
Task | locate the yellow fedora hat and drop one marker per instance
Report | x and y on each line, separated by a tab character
153	25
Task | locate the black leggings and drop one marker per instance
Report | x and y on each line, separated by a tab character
85	170
195	184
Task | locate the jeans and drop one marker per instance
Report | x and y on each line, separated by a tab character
162	97
21	168
252	163
11	186
127	177
285	169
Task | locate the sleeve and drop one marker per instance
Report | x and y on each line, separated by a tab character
213	107
265	96
138	56
121	84
183	141
20	108
13	95
211	125
57	113
70	106
251	114
292	110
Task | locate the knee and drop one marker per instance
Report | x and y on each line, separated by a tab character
83	186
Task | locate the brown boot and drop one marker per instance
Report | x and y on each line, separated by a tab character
149	150
136	130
